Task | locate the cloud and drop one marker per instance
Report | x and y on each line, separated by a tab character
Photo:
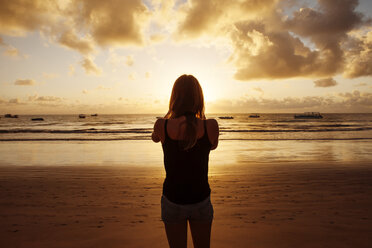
325	82
11	51
85	91
14	101
263	53
129	60
78	25
157	38
90	67
19	16
101	87
71	40
216	17
359	56
199	17
25	82
116	60
361	84
48	99
268	44
71	69
49	75
148	74
268	39
263	49
36	98
132	76
343	102
109	22
258	89
112	22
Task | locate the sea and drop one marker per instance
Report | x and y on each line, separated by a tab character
126	139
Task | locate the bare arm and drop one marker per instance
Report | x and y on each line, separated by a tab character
157	133
213	132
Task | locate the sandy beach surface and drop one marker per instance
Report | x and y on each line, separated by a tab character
256	205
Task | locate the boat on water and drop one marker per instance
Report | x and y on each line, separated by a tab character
81	116
94	115
254	116
226	117
10	116
309	115
37	119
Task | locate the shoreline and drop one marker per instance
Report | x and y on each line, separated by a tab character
281	204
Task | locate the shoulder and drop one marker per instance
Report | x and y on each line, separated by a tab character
212	124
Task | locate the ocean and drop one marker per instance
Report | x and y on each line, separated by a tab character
126	139
139	127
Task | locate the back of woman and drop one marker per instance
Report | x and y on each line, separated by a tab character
187	139
186	179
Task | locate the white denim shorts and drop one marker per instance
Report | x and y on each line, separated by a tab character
172	212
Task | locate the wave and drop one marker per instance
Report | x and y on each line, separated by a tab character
149	138
344	128
88	131
295	130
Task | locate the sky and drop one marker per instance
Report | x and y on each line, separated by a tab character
123	56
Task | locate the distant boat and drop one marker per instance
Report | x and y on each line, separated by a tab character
10	116
37	119
309	115
226	117
254	116
158	117
82	116
94	115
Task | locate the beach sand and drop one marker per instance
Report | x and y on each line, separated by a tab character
256	205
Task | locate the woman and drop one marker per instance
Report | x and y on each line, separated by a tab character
187	138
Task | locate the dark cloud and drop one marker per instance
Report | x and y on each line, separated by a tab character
264	51
260	53
325	82
328	23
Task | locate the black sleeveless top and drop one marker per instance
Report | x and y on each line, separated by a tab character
186	180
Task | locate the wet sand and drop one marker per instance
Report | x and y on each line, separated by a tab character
256	205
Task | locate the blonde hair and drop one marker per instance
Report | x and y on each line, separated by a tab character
187	99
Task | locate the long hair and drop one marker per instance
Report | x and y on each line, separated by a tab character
187	99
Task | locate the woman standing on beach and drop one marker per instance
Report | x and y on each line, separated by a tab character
187	138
